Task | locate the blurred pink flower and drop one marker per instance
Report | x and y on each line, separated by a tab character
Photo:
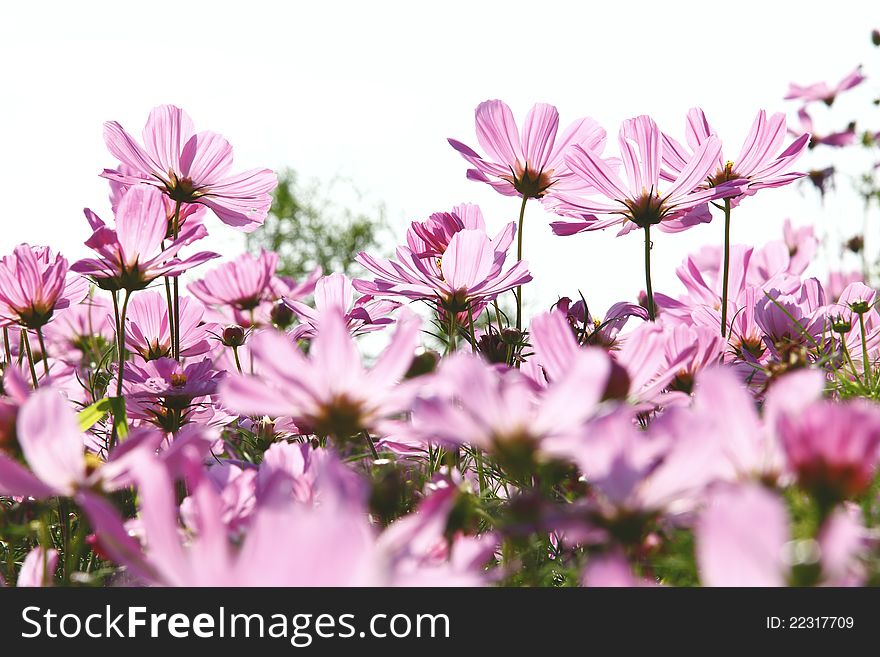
52	446
833	448
729	550
526	165
822	90
190	167
330	391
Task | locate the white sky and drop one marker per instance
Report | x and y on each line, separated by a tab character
371	90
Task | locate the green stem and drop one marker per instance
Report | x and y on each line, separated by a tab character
519	243
649	291
726	267
30	357
45	354
6	346
237	362
371	444
849	359
865	361
471	330
120	340
451	331
64	522
175	231
481	473
170	301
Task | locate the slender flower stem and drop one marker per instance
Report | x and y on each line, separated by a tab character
237	361
519	244
175	231
371	444
849	359
726	267
6	346
120	339
649	291
452	329
45	354
865	361
170	301
64	524
471	328
30	357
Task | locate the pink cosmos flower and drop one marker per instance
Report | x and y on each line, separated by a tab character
472	403
52	446
471	272
190	167
164	392
191	213
833	448
336	292
147	330
729	550
88	322
430	238
34	284
38	569
759	164
244	290
132	256
846	137
797	318
639	202
822	90
286	544
330	390
527	165
600	331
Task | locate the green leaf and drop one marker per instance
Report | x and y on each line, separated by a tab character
93	414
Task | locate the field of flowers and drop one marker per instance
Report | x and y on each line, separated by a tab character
232	431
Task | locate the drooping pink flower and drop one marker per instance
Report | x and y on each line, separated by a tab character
729	550
147	330
822	90
330	390
364	315
643	200
131	256
34	284
191	167
759	164
532	163
471	272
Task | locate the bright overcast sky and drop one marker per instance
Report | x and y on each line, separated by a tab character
370	91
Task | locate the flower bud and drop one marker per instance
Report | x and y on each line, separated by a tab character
281	315
233	336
